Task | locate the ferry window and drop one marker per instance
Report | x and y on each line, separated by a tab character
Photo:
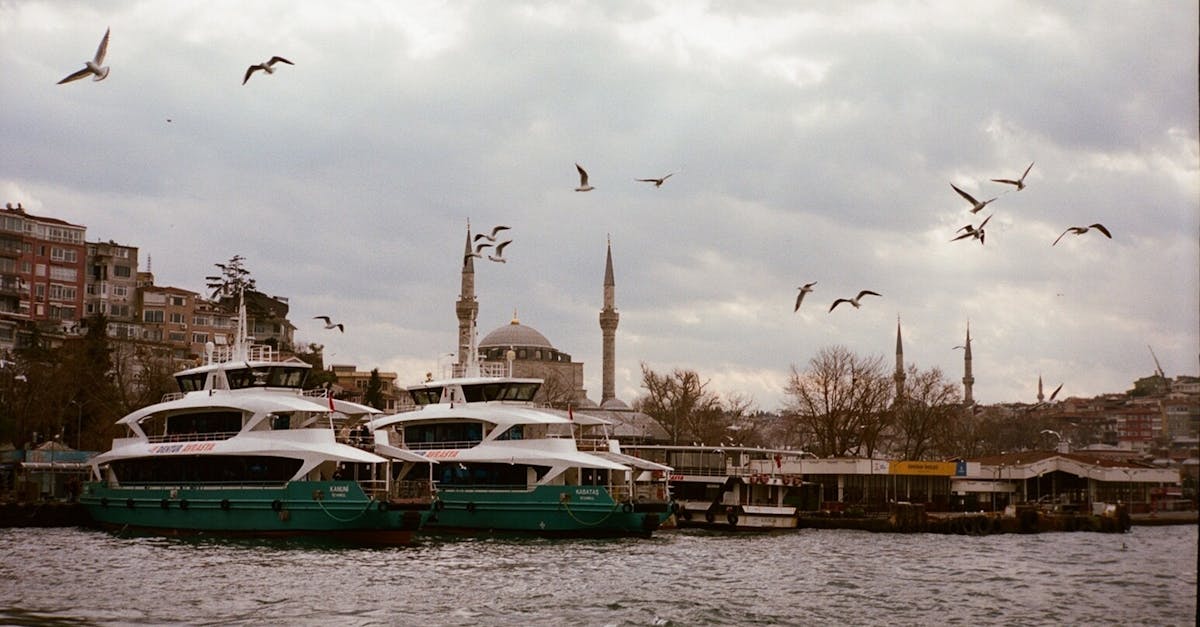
218	469
281	421
426	396
473	393
191	382
515	432
287	377
204	422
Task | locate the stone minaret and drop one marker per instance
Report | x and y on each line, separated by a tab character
608	326
1041	396
467	307
968	379
899	376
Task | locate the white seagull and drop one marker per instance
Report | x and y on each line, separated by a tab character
853	301
268	67
806	288
657	182
1080	230
329	324
99	72
492	237
1020	183
583	184
498	257
975	204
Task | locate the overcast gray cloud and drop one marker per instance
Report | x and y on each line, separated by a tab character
812	143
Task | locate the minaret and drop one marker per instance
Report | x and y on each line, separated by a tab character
899	376
467	307
968	379
1041	397
608	326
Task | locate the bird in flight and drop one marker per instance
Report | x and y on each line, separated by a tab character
583	183
93	67
806	288
657	182
498	257
268	67
492	237
973	231
1020	183
479	247
330	324
1080	230
975	204
1055	392
853	301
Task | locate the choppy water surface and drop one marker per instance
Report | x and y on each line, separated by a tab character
810	577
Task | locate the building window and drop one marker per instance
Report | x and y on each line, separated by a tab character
153	315
122	271
200	321
39	270
178	301
199	338
120	290
66	255
176	337
176	317
59	273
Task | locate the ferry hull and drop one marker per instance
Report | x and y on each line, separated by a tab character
579	511
328	509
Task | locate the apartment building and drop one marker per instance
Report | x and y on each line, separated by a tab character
111	287
42	273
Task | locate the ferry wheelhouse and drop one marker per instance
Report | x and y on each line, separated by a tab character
508	465
241	449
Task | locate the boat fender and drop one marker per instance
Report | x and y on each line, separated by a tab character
439	505
225	504
104	501
708	516
165	504
277	505
470	506
383	506
129	503
732	517
627	507
183	504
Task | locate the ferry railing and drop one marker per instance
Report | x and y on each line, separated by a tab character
422	446
412	490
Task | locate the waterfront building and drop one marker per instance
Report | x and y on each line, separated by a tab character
111	286
351	384
42	270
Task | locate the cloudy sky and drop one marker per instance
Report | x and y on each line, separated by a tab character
810	141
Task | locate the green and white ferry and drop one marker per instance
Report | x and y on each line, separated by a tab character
507	465
243	450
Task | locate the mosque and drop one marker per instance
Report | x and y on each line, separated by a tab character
528	353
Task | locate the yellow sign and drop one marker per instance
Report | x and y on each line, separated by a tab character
939	469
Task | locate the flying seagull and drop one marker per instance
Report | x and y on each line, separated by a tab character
853	301
492	237
498	257
479	247
1020	183
973	231
657	182
583	184
1080	230
806	288
268	67
1055	392
99	72
329	324
975	204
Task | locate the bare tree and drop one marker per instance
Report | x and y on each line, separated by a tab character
840	403
680	402
930	405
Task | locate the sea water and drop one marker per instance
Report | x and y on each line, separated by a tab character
678	577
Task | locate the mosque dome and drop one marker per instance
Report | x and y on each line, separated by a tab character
515	334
